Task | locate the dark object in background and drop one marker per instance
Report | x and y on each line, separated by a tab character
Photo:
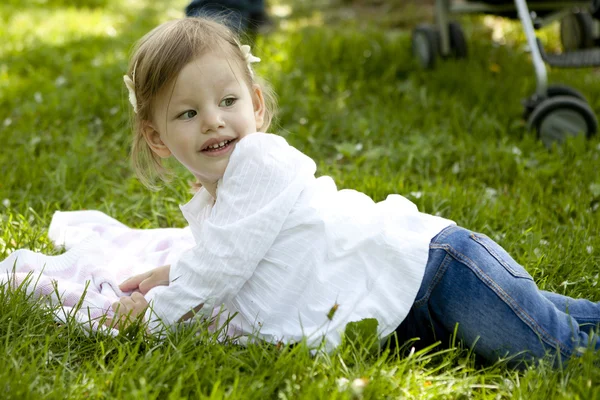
241	15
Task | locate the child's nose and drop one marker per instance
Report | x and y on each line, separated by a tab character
212	122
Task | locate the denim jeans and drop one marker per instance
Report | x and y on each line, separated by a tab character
239	14
475	286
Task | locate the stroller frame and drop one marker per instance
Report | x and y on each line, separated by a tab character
554	112
530	22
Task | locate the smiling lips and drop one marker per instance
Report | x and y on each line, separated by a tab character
217	146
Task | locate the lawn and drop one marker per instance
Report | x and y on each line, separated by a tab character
451	140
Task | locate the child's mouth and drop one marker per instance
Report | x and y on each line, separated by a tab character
218	148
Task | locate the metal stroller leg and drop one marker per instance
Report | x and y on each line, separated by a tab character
541	73
442	11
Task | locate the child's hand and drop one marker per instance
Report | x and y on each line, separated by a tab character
126	310
148	280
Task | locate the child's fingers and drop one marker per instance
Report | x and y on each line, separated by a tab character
130	306
140	304
146	285
122	307
122	310
152	282
134	282
136	297
113	322
118	308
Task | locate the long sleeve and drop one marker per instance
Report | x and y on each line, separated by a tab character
262	182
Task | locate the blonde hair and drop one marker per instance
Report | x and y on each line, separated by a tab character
158	58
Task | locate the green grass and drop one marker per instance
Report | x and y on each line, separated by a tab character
449	139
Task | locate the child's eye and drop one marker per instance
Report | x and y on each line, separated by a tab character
228	102
187	114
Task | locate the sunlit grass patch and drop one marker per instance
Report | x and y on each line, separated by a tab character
57	27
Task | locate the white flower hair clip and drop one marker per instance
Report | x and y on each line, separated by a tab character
130	84
250	59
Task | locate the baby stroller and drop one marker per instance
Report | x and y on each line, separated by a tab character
553	111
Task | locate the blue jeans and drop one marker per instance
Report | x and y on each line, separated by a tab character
241	15
471	283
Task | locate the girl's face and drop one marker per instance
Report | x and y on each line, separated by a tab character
200	118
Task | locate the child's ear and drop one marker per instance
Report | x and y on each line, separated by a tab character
259	106
154	141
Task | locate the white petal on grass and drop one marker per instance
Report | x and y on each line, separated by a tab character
358	385
416	195
358	147
113	110
491	193
7	122
38	97
589	249
6	203
342	383
455	168
509	384
516	151
60	81
303	121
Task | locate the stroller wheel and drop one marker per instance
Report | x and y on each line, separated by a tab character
534	101
559	117
577	31
425	45
564	90
458	44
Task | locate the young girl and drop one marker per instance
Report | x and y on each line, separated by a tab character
282	249
292	256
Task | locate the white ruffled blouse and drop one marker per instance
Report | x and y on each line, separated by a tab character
280	248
